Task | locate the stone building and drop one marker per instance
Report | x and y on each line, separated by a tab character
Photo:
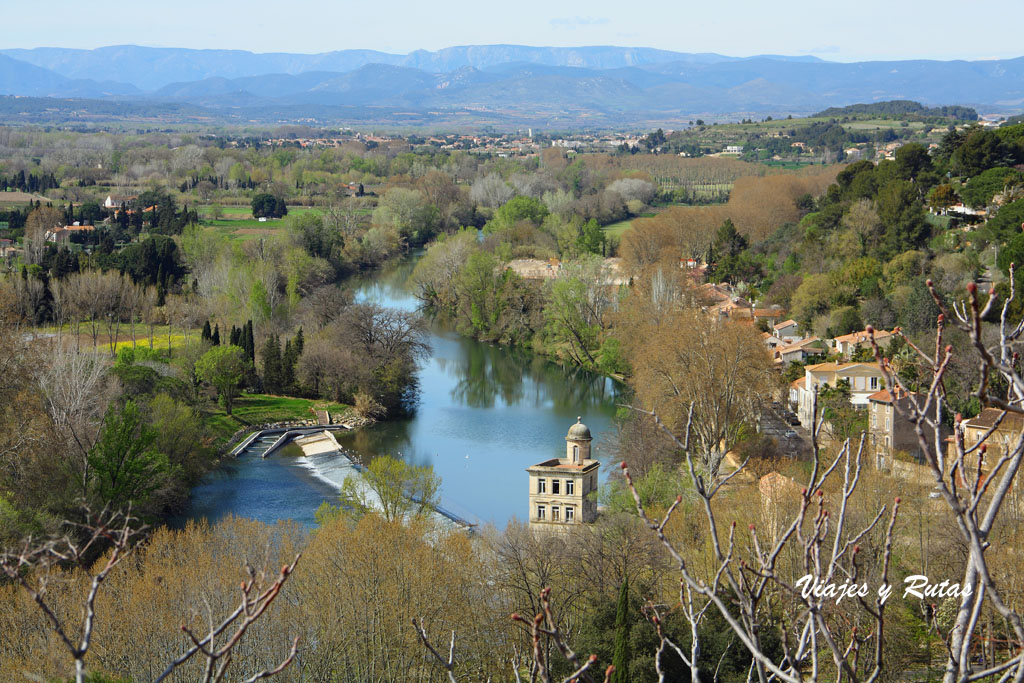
1002	435
888	431
560	488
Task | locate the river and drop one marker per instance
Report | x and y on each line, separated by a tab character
485	414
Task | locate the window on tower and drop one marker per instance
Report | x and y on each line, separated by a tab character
570	513
554	513
570	487
542	485
554	487
541	512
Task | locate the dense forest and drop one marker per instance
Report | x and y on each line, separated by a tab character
902	109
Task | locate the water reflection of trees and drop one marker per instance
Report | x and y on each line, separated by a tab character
487	373
386	438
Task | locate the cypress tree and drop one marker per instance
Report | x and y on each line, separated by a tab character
244	339
288	359
207	336
300	341
233	338
621	655
248	344
215	337
271	354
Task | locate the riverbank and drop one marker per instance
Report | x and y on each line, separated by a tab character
561	309
484	414
251	410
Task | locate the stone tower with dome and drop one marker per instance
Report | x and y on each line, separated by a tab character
561	488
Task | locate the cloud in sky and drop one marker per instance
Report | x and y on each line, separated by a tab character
573	23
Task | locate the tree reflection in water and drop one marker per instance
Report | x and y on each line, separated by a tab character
485	412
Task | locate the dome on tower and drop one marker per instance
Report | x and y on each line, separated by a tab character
579	431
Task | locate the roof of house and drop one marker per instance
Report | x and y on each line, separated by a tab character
797	346
989	416
861	336
565	464
786	323
838	367
885	396
715	291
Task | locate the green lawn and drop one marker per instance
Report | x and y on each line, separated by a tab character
237	221
255	409
616	229
245	212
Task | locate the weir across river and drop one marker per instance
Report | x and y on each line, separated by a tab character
320	441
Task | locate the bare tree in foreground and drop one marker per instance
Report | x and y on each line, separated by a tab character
544	630
743	582
975	492
33	564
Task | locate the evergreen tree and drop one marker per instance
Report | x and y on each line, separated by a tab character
247	341
300	341
272	371
215	337
729	244
207	336
288	360
621	657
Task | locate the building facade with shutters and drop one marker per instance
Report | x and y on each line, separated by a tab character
562	490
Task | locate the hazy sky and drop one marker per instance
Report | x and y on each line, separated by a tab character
842	31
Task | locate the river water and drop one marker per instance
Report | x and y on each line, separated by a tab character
484	415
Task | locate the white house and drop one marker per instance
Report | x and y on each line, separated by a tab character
801	350
787	331
848	344
864	379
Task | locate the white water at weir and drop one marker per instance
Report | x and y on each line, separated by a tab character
333	466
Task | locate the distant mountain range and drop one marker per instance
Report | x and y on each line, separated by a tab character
585	86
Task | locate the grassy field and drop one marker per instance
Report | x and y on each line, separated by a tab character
237	221
617	229
244	213
18	199
178	337
256	409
